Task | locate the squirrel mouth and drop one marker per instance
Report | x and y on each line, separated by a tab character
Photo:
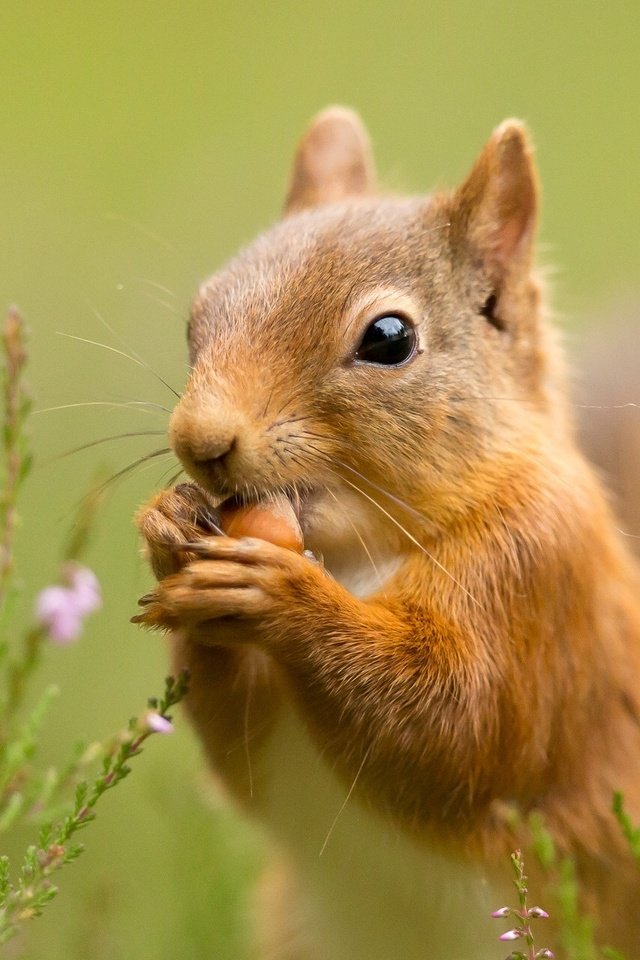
214	517
297	499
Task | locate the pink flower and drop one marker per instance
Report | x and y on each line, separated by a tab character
61	610
56	610
511	935
156	723
85	588
538	913
502	912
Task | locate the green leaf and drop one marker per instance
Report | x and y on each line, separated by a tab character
5	882
630	833
543	845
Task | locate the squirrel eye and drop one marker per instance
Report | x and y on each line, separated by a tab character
388	340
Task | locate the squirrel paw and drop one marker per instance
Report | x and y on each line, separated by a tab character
180	515
247	579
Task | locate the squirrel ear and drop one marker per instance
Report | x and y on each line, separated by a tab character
496	207
333	161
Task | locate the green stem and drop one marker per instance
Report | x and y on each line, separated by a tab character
21	670
14	404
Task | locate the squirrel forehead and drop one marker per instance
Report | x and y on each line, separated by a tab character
318	262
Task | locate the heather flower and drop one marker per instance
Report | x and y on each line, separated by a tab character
85	587
56	610
62	609
539	913
524	914
155	722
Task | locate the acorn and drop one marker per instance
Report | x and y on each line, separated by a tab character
274	521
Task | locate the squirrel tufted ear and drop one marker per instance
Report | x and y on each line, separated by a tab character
333	161
496	207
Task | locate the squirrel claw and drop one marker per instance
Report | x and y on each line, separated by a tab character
200	547
151	620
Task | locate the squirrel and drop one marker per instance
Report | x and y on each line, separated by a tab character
458	647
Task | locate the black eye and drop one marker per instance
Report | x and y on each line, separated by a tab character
390	340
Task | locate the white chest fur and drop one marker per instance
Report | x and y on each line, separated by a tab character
372	893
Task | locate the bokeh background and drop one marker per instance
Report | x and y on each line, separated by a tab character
140	144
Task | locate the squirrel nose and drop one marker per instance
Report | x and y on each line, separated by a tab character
201	441
207	452
211	449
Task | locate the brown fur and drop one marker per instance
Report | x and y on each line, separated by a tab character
497	664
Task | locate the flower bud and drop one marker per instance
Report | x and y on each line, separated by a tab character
501	913
156	723
538	912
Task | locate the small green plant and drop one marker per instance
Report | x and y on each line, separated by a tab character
55	803
523	915
25	896
576	930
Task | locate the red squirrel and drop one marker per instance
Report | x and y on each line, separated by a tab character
458	645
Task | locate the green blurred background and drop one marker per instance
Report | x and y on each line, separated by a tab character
140	144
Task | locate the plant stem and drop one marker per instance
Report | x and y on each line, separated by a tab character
521	886
20	671
13	337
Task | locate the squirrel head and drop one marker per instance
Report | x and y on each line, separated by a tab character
370	340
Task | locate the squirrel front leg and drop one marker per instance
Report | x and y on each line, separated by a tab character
233	691
389	692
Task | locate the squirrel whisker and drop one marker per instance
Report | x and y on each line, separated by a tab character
158	286
115	436
121	353
172	480
359	536
409	535
108	403
162	303
387	493
97	491
165	451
